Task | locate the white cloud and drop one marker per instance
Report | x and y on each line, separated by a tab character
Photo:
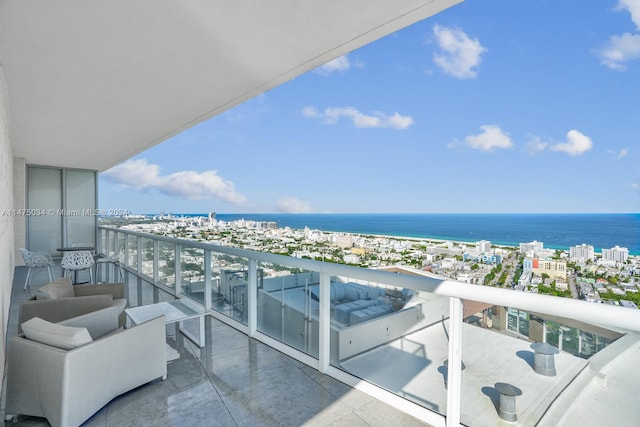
633	7
536	144
491	137
189	185
619	50
289	204
577	143
340	64
138	174
460	54
310	112
360	120
619	154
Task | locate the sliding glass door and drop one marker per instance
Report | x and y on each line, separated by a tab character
61	208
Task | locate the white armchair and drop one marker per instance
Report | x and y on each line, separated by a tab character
69	386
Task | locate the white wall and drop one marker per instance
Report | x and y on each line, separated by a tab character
7	255
19	202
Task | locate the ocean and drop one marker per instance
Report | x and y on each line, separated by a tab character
558	231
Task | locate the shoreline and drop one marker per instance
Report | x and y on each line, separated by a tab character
623	233
459	242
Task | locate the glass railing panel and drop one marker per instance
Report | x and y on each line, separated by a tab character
229	285
132	252
111	243
102	248
146	294
393	337
288	308
192	266
167	264
119	247
146	267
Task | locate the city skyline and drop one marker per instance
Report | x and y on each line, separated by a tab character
486	107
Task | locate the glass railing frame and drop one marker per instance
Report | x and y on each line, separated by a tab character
615	317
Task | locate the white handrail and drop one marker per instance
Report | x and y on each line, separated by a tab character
598	314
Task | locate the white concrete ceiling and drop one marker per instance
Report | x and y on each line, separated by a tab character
91	83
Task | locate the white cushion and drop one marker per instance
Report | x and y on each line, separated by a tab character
61	288
121	304
64	337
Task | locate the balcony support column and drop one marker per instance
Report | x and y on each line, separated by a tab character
324	346
156	255
252	298
207	280
139	271
177	283
454	365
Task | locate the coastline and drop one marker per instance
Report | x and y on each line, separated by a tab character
556	231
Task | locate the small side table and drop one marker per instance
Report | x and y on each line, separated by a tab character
175	312
544	358
508	394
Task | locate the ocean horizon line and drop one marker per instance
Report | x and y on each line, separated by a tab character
556	231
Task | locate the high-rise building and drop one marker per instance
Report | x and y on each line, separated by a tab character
581	252
616	254
531	248
483	246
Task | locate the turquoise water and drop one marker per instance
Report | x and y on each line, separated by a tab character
559	231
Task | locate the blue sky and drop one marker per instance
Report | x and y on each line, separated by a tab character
490	106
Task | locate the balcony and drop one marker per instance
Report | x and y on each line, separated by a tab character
281	326
286	344
235	380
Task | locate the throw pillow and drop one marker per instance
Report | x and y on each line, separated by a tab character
61	288
64	337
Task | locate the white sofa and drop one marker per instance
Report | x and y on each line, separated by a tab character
67	386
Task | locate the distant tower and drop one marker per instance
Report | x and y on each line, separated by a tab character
212	216
616	254
582	252
483	246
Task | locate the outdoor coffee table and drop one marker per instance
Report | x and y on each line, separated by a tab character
176	312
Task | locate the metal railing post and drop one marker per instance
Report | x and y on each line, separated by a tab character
207	280
156	274
139	269
125	250
324	344
177	286
454	364
252	297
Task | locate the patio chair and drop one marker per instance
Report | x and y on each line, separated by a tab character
36	260
103	260
74	261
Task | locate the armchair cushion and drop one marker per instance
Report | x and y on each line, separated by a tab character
116	290
99	323
84	299
56	310
61	288
64	337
